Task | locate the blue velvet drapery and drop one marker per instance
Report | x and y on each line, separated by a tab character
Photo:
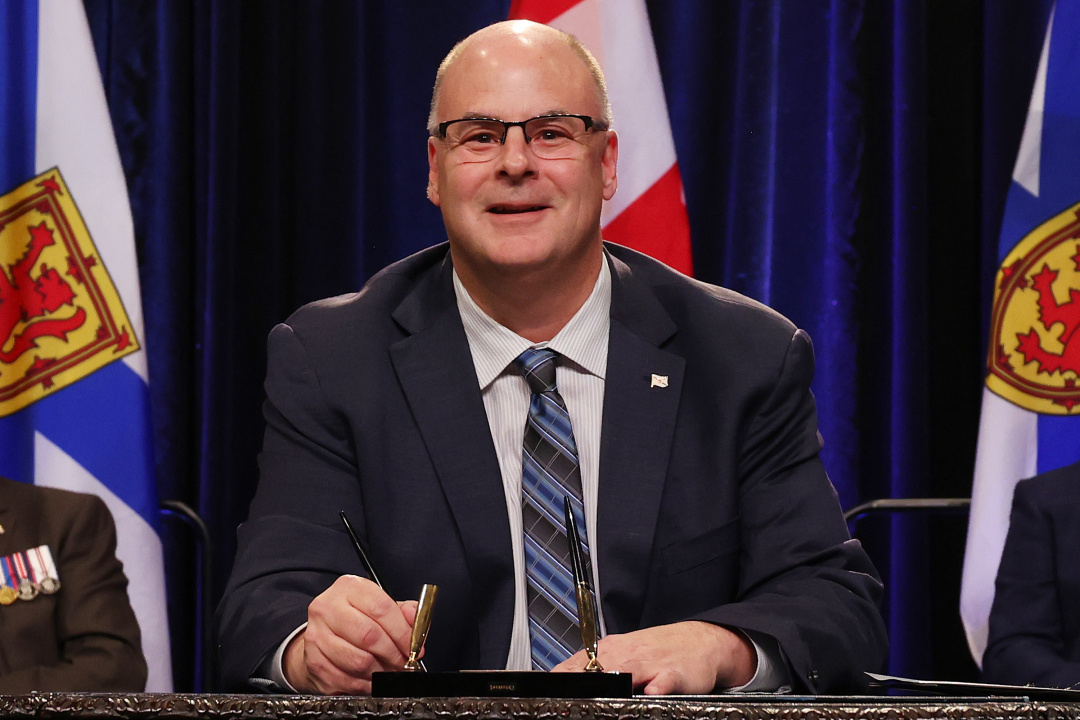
845	161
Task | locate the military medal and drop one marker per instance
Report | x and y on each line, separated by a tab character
8	593
28	589
44	569
23	575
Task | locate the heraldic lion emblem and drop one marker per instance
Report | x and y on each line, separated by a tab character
61	317
1035	326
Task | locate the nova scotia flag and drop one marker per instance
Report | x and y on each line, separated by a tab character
74	410
1031	404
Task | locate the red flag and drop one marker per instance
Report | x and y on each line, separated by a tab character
648	213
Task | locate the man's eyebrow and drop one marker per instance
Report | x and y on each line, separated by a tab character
473	115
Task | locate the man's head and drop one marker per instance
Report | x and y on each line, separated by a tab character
587	58
516	205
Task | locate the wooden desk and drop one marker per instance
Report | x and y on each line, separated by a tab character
64	706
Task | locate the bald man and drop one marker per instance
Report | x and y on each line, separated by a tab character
719	554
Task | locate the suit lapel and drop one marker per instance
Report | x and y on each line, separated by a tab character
638	429
435	368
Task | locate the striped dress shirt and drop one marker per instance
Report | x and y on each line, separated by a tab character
583	344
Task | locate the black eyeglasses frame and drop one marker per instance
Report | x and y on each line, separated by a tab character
590	124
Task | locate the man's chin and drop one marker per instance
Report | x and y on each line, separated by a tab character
517	256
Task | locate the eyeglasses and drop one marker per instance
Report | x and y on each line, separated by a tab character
550	137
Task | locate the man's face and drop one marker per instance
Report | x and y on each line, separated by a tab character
517	213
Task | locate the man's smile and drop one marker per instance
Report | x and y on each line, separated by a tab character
515	209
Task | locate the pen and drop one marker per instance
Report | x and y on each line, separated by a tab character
421	627
360	551
583	592
368	567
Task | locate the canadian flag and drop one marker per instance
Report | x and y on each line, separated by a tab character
648	213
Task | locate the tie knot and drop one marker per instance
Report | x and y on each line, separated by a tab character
538	367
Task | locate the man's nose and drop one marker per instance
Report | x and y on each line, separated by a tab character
516	157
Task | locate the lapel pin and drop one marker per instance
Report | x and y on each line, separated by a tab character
659	381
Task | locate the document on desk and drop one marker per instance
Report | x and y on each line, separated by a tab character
954	688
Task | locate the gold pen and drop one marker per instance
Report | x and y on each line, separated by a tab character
421	626
583	592
370	570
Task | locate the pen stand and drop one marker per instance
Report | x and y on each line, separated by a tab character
502	683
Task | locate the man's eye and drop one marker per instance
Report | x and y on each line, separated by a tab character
480	137
552	134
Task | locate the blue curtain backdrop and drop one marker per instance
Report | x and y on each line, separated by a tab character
845	161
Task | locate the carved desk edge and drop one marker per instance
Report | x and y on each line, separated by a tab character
165	706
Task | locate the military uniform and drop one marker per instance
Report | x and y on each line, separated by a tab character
75	631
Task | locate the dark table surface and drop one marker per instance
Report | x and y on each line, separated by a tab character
148	706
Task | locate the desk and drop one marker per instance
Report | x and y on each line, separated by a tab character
77	706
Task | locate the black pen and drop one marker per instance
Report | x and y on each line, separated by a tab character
368	567
360	551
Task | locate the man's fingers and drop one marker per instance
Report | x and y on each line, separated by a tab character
409	608
369	635
687	657
360	612
332	672
574	663
620	653
665	683
354	629
336	652
371	601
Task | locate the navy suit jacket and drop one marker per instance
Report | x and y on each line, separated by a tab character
1035	618
713	503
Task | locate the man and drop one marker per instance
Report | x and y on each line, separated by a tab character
65	620
719	554
1035	620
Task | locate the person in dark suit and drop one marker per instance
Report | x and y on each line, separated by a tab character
719	551
1035	619
76	631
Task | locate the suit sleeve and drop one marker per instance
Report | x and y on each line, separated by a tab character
802	579
1027	635
96	630
289	549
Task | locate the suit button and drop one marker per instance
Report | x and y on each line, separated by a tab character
812	676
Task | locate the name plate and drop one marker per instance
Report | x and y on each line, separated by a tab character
502	683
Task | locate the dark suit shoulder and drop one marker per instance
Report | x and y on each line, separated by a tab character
379	296
52	504
706	315
1052	489
673	284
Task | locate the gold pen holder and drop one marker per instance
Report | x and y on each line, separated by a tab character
421	627
586	604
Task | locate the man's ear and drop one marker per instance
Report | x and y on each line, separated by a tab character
433	173
609	160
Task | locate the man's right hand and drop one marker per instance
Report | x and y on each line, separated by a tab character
353	630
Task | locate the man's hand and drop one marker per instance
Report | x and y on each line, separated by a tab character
353	630
686	658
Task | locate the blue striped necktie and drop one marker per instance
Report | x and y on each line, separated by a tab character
550	472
